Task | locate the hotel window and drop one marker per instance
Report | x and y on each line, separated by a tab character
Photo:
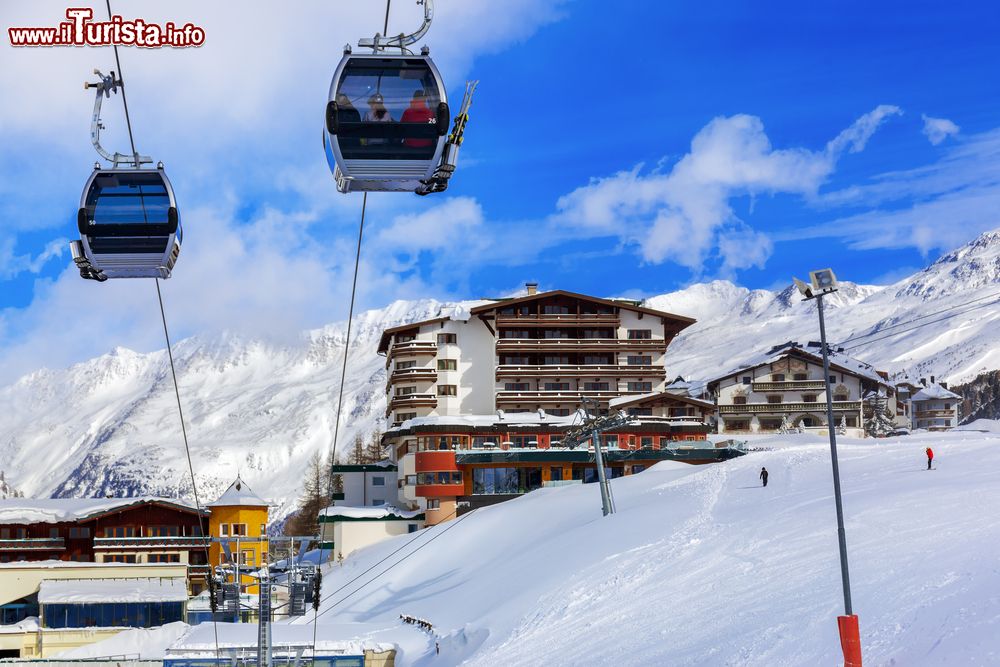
163	531
777	377
515	310
644	360
488	441
640	386
639	334
833	379
447	390
447	365
411	527
555	474
434	504
800	376
558	412
515	333
808	398
405	338
224	529
610	441
523	441
378	481
555	361
120	558
514	361
163	558
841	397
79	532
596	386
516	386
53	533
239	529
378	501
263	529
555	310
411	480
638	467
447	338
596	333
5	533
641	412
556	386
404	416
739	400
401	365
119	531
747	379
773	398
555	333
405	391
664	442
646	442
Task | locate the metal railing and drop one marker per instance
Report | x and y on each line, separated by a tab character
580	369
32	543
789	385
756	408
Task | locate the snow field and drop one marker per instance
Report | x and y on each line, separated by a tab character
703	566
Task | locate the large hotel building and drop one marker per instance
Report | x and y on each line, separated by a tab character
479	399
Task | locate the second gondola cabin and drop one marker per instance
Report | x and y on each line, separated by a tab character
386	122
129	225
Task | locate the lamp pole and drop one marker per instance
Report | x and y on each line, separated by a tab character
821	283
841	534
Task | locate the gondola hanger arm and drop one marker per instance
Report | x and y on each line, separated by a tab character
104	87
401	41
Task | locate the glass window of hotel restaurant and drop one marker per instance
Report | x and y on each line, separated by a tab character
640	334
524	441
446	338
485	441
646	442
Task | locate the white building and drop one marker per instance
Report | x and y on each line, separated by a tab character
366	485
935	408
344	530
784	388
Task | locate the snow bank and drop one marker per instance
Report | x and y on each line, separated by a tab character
376	512
138	643
703	566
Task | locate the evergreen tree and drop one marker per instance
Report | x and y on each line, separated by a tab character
373	451
357	455
315	497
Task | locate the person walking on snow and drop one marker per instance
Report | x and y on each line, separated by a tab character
930	457
763	475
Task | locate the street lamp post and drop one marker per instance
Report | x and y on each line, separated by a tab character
824	282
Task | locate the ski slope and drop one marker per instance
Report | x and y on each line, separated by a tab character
703	566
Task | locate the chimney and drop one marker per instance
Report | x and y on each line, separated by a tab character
532	288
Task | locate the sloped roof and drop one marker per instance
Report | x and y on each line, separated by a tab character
838	361
935	392
238	495
623	402
59	510
627	305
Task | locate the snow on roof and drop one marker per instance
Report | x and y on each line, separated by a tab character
138	643
935	392
29	624
813	351
376	512
238	494
534	418
202	638
79	591
57	510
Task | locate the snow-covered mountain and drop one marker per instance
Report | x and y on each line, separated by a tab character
110	425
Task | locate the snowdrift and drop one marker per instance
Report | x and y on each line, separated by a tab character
703	566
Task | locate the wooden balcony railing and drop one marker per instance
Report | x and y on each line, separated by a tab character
580	344
617	370
779	408
789	385
32	544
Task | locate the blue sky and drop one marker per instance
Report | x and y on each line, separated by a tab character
615	148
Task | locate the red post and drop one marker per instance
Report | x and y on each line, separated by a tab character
850	640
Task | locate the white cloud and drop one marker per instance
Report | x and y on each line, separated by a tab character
684	215
12	264
938	129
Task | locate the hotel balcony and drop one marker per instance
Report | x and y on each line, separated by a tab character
789	385
508	397
166	542
33	544
780	408
411	347
562	319
412	375
932	414
404	401
515	345
658	372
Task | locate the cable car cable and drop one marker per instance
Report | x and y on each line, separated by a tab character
343	376
170	354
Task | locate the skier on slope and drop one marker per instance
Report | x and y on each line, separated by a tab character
930	457
763	475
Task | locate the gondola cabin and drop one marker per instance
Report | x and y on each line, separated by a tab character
386	122
129	226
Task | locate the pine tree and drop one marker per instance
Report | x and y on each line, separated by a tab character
357	456
374	451
315	497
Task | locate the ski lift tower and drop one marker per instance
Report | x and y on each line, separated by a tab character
593	426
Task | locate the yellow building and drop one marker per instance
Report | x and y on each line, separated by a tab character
239	516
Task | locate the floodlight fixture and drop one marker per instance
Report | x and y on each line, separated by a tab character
823	280
804	288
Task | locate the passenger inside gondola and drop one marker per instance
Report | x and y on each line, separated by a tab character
348	114
418	112
377	113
